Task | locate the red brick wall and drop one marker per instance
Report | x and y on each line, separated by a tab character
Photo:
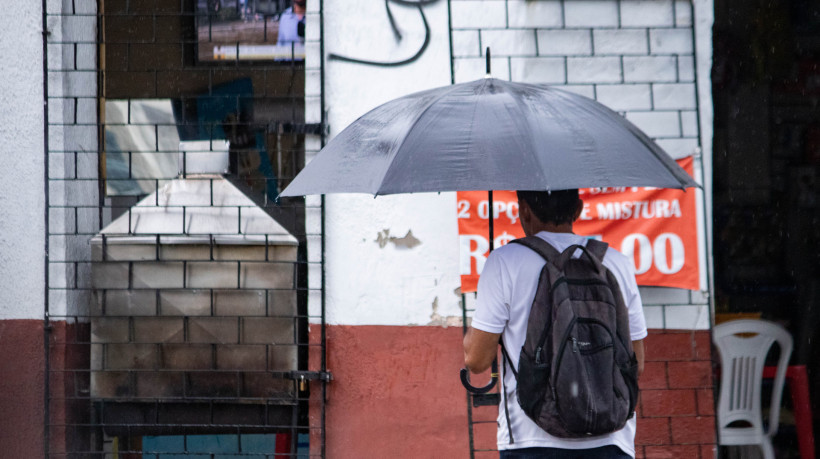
396	393
676	416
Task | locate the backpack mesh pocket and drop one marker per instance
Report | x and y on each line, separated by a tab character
533	382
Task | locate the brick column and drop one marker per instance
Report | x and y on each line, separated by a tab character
676	411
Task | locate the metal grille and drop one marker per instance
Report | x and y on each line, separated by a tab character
177	319
482	409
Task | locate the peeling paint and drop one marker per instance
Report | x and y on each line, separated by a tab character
443	321
407	242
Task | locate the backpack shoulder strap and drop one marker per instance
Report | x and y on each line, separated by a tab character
597	248
539	246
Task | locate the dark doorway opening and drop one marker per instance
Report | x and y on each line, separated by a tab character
766	89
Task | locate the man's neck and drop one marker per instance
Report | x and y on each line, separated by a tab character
553	228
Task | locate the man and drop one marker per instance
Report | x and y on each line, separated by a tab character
506	291
292	24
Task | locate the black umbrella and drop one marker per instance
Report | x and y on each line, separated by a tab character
488	135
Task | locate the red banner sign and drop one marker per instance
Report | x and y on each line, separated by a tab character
655	227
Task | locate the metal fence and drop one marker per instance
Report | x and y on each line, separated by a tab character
177	321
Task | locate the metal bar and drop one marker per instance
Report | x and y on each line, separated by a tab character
46	321
450	36
469	402
323	138
491	215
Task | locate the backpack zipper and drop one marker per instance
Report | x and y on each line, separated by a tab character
543	338
564	341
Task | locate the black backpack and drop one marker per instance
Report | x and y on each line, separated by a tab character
577	373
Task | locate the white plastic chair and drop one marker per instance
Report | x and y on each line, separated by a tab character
742	359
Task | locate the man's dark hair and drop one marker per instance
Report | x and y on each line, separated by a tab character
556	207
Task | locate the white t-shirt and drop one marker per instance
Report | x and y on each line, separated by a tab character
288	28
506	290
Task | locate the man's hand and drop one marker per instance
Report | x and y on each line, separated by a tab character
480	349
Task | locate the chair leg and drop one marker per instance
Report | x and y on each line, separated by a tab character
766	446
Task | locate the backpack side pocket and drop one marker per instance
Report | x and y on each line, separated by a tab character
533	383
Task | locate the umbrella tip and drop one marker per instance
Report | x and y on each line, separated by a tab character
488	75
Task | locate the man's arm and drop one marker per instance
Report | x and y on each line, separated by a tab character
637	346
480	349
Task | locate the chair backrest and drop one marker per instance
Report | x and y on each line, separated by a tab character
743	346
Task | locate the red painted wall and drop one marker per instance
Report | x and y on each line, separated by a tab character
396	393
22	365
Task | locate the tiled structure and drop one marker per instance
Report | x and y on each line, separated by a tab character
190	303
182	314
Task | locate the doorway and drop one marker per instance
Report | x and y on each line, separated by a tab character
766	89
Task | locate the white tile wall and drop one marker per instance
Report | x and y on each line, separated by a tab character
689	123
674	96
686	68
620	41
591	13
549	70
671	41
662	296
683	13
678	148
478	14
61	220
188	302
77	137
509	42
469	69
564	42
313	109
60	165
312	27
313	86
593	70
653	315
80	84
623	97
585	90
687	317
527	13
648	69
312	55
656	124
121	302
202	274
85	6
647	13
110	275
79	28
466	43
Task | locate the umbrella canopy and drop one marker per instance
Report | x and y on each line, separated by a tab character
488	135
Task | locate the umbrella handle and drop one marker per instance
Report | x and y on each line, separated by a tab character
465	380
